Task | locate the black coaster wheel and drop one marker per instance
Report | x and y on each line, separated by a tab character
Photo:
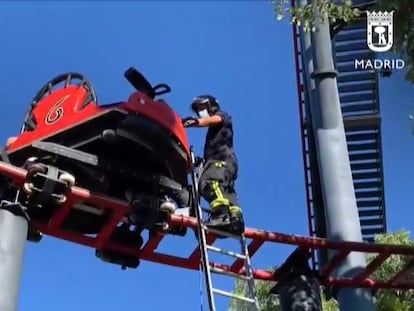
64	80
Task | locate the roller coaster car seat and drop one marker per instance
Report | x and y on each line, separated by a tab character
111	148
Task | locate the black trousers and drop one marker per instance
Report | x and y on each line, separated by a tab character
217	183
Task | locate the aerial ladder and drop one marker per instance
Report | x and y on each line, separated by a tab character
204	235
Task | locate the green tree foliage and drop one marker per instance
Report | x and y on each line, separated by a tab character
266	302
385	300
344	11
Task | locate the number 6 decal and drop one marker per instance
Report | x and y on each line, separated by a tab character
56	112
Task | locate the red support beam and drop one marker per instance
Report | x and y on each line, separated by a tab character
61	215
153	243
106	232
372	266
401	275
333	264
367	283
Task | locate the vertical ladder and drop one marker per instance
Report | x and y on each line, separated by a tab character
205	265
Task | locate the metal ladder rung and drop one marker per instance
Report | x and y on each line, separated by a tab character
229	273
224	252
231	295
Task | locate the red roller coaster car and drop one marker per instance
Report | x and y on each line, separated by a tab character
138	146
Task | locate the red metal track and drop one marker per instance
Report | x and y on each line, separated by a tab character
258	237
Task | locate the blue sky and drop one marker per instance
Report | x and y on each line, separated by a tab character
234	50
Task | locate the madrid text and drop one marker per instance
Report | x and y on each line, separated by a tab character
381	64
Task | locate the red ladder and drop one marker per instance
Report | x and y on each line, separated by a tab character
304	136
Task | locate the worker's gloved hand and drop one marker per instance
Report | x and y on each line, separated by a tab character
189	121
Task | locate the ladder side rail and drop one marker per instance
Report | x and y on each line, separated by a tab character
202	236
249	273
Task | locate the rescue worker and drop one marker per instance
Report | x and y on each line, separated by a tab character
220	169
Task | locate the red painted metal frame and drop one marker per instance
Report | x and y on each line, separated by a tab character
258	237
305	150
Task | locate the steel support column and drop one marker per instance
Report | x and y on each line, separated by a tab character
341	213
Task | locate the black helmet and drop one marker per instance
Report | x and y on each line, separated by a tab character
205	102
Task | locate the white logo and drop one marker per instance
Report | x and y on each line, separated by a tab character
380	31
